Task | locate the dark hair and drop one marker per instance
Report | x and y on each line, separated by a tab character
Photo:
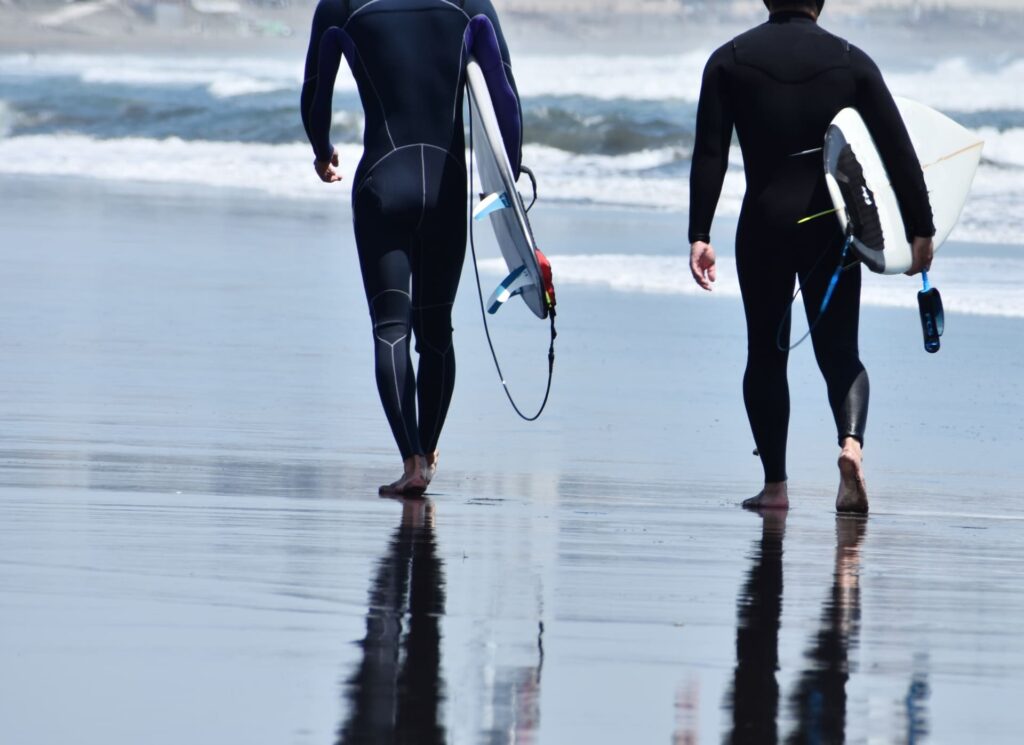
816	4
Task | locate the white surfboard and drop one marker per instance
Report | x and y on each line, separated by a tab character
504	205
860	188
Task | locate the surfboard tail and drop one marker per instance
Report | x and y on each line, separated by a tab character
546	277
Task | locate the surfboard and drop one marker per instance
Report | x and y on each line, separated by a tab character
862	194
502	203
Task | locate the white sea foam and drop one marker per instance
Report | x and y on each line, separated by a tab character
609	77
279	170
959	85
955	84
1005	147
222	77
991	215
977	286
597	76
970	285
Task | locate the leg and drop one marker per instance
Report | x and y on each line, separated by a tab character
438	256
766	283
384	258
836	350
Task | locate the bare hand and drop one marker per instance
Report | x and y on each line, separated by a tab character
922	251
325	168
702	264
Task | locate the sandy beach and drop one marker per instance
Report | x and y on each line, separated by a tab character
193	549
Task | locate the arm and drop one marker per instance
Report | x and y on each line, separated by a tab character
877	108
491	53
322	61
709	163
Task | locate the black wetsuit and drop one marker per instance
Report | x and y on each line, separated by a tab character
781	84
409	192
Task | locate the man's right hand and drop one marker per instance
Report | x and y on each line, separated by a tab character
325	168
922	251
702	264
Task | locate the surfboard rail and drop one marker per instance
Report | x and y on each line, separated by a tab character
503	204
862	191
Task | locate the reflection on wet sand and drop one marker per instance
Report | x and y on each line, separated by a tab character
396	692
818	703
755	691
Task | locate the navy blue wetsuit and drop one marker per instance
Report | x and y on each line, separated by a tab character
781	84
408	58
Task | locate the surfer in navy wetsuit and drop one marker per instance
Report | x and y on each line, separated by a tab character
408	58
780	84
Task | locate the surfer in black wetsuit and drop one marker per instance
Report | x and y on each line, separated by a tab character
780	84
408	58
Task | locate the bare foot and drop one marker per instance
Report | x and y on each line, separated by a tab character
432	459
774	496
413	482
853	492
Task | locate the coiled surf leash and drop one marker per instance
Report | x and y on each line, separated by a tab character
840	268
480	295
929	301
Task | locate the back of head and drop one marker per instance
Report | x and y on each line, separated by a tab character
774	5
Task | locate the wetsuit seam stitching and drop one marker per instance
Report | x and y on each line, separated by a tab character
801	81
398	396
380	160
384	292
402	10
357	11
391	344
458	73
461	10
423	171
373	86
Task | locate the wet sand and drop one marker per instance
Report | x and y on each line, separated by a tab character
192	549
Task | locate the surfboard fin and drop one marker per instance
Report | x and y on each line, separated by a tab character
512	285
491	203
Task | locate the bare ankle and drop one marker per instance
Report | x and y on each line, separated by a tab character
774	495
851	447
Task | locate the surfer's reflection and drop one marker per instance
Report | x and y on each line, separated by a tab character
755	691
818	703
396	693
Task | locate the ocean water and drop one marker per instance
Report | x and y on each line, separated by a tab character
616	131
